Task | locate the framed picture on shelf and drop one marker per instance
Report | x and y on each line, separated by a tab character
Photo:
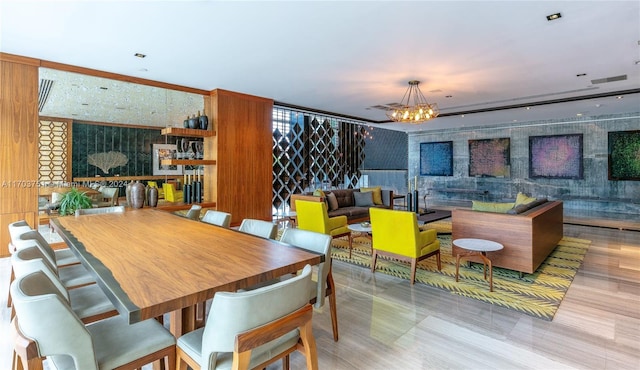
556	157
624	155
436	159
489	158
165	151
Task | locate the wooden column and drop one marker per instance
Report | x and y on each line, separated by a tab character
18	143
241	182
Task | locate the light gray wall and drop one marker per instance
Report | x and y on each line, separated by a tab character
593	193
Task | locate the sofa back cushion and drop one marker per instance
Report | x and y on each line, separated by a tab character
363	199
495	207
520	208
377	194
523	199
332	201
344	197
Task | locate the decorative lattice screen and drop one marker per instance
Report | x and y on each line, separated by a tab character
313	151
53	158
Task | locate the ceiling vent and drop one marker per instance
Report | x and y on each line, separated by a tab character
43	93
609	79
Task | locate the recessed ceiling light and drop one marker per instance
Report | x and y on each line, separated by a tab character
619	97
140	55
553	17
528	108
579	114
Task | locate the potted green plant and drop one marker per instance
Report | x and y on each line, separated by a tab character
72	200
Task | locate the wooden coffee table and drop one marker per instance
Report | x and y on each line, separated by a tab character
363	229
479	247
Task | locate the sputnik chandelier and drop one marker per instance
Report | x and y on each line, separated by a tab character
413	107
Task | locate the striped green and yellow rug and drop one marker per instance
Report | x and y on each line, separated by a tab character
538	294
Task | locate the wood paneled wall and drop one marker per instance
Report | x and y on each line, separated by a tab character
244	155
18	144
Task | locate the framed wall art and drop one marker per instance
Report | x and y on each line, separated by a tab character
436	159
165	151
624	155
489	157
556	156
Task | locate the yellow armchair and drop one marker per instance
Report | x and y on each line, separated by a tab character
171	194
313	216
395	234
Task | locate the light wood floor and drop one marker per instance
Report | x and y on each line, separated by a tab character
387	324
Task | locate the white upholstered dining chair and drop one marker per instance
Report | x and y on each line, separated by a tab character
252	329
88	302
61	257
324	284
71	275
218	218
194	212
45	321
261	228
25	238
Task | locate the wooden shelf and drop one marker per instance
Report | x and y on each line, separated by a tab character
187	162
178	206
125	178
188	132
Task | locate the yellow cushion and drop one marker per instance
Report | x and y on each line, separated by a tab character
523	199
397	232
313	216
495	207
377	194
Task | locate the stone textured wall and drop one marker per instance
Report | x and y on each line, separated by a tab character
377	153
593	193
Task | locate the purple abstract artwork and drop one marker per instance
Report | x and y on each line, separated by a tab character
557	156
489	157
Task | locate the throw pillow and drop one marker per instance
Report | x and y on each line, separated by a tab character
520	208
363	199
377	194
523	199
495	207
332	201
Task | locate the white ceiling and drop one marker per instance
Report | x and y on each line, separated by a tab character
347	56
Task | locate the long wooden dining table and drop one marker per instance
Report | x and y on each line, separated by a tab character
152	262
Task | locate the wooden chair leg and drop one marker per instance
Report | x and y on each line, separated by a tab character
374	257
184	361
332	306
438	259
309	345
414	266
241	360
